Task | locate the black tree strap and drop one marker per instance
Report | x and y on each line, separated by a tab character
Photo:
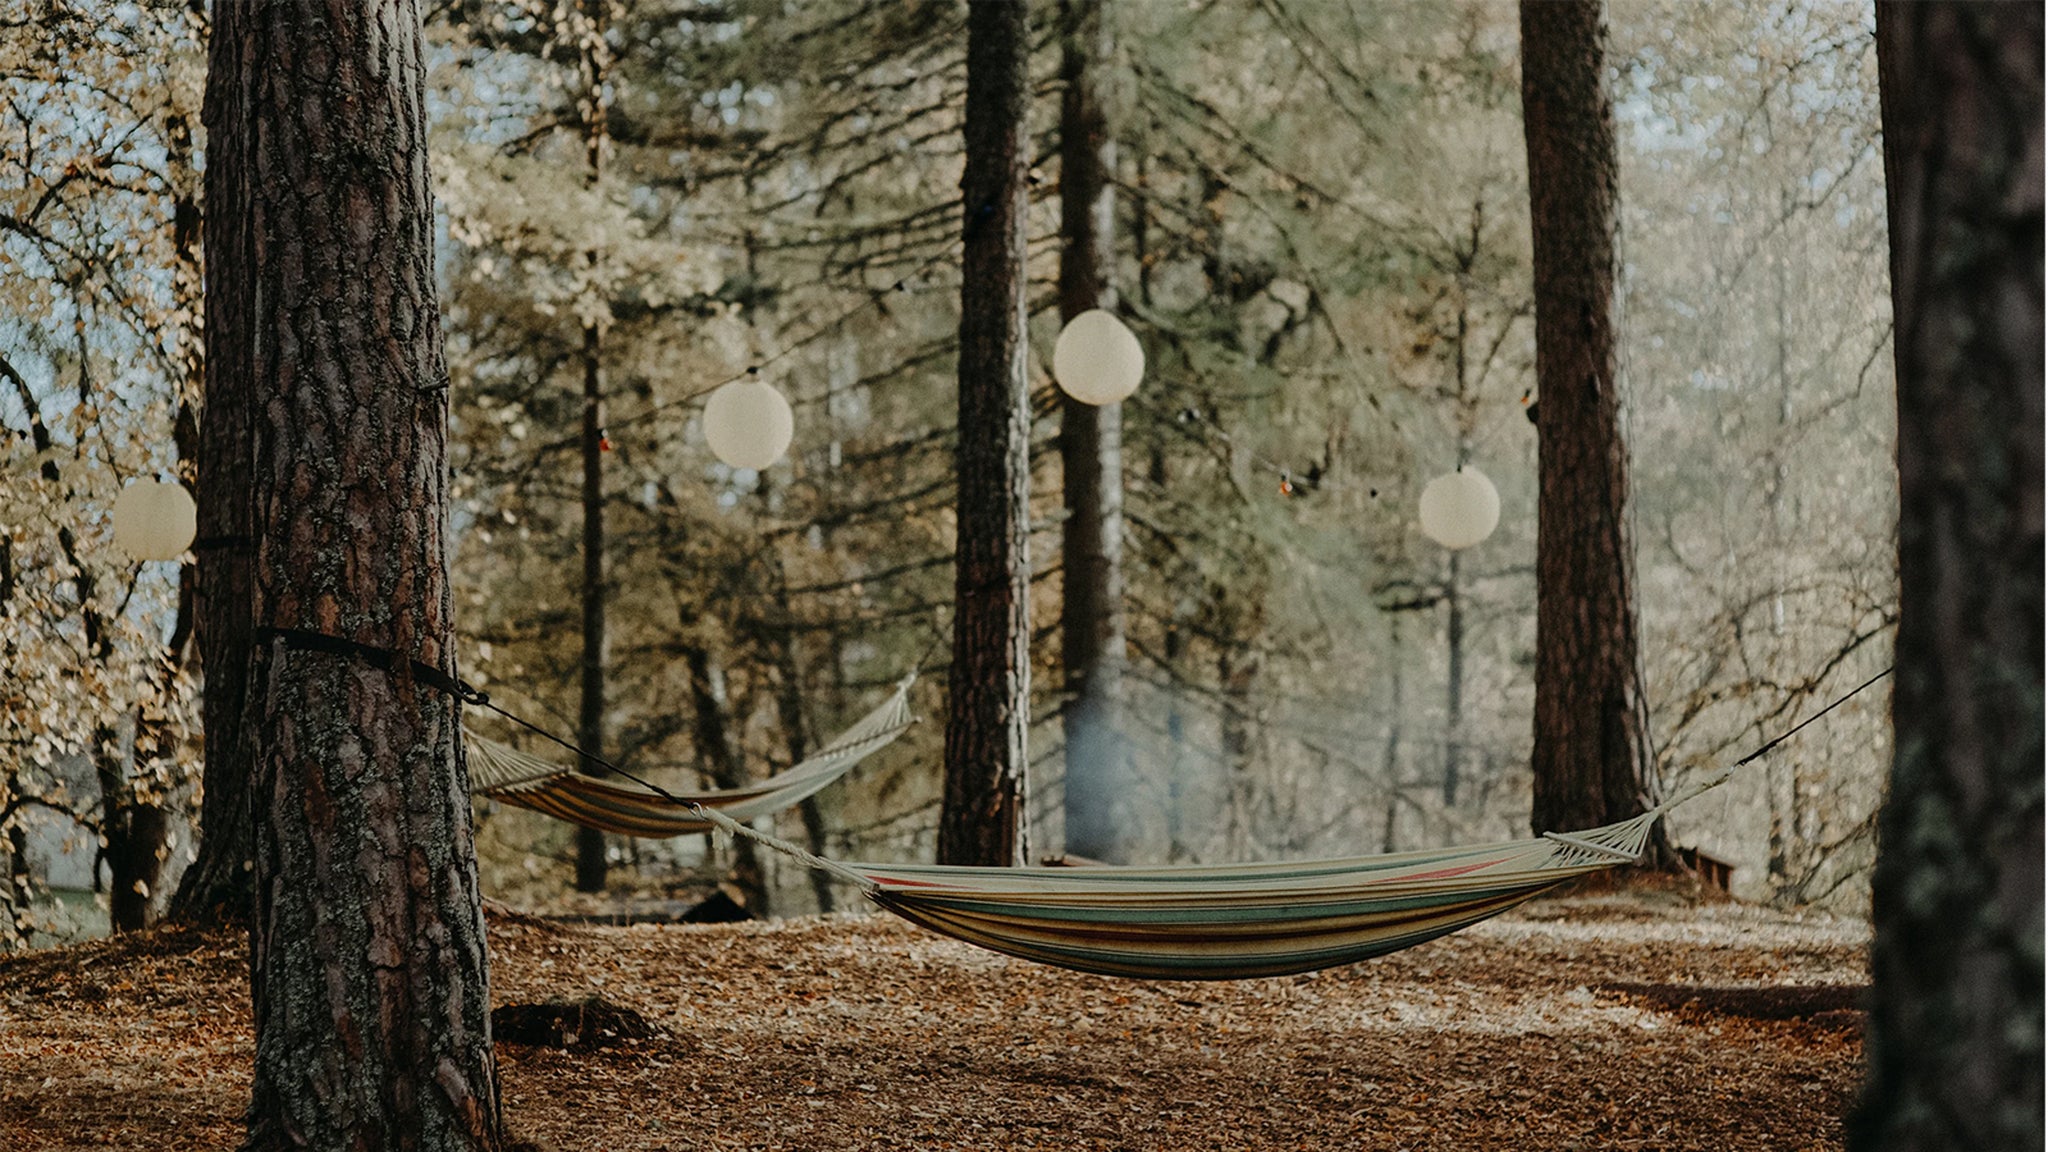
382	659
385	660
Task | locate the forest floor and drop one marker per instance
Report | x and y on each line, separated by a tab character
1640	1018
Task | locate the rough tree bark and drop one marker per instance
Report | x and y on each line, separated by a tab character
1955	1036
367	964
216	886
590	727
1590	759
988	689
1092	648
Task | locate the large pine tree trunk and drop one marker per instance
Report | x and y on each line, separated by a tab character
1954	1044
1091	456
988	688
367	961
1590	761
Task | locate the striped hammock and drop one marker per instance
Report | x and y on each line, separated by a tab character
502	772
1233	921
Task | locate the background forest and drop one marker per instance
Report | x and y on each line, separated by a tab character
1322	238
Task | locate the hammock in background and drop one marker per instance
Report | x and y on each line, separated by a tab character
501	772
1236	921
1232	921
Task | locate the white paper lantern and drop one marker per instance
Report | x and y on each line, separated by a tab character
748	424
1098	360
1461	508
155	520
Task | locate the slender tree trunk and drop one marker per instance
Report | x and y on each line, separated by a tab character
21	888
19	892
1454	598
590	728
1236	672
1091	458
367	963
590	725
1591	762
135	830
1391	756
1954	1044
712	711
1177	847
1454	683
152	735
796	733
989	688
217	884
1241	616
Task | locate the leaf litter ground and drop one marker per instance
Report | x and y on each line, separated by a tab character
1640	1018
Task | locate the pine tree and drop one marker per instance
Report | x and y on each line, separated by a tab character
989	696
368	969
1955	1039
1591	758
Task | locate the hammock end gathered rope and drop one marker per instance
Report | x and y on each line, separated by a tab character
733	827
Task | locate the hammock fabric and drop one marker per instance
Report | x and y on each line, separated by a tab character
1231	922
503	772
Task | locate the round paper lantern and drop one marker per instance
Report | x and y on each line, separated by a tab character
155	520
1097	360
1461	508
748	424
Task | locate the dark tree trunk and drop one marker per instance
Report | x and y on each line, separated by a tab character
1954	1043
1091	456
216	886
21	888
1241	618
773	637
1590	759
1454	683
152	735
1391	756
135	830
988	706
1177	759
796	733
367	964
590	727
712	713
